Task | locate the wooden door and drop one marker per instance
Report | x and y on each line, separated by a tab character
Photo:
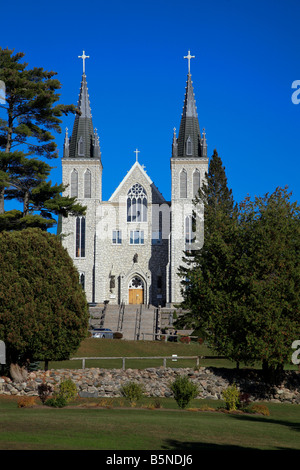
136	296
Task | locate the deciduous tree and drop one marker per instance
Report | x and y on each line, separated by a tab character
43	309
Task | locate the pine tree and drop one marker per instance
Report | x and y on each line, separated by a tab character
32	113
208	271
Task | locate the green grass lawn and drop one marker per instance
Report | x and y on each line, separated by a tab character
167	428
92	347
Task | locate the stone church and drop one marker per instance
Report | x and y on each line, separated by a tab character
128	249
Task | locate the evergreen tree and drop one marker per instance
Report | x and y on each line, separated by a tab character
211	284
32	113
269	248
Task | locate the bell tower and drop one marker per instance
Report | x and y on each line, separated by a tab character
189	163
82	174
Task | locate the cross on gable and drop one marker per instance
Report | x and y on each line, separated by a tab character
136	151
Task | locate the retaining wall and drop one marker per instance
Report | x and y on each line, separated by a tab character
96	382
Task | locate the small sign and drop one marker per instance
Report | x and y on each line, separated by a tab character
2	353
174	357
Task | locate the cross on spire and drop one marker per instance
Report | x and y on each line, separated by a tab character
189	57
136	151
83	57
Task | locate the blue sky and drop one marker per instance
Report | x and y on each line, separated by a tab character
247	55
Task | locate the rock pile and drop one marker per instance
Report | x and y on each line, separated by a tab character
94	382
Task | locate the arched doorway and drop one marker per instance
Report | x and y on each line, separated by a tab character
136	291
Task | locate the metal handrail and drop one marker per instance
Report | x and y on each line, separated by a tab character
121	316
174	358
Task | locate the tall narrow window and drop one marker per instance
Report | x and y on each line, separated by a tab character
137	204
80	237
183	184
81	147
196	182
82	280
74	184
188	232
189	146
117	237
157	234
87	184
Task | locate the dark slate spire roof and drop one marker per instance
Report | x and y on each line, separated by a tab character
83	143
189	142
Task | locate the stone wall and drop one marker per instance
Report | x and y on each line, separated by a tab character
211	382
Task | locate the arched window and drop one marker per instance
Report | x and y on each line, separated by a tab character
87	184
136	283
189	146
183	184
81	147
80	237
74	184
196	182
137	204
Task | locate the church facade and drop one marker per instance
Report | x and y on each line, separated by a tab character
128	249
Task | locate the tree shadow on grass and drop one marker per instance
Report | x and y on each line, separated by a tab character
173	444
293	426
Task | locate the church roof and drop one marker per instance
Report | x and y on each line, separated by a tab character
84	142
140	168
190	143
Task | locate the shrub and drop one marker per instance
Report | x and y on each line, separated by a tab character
44	390
26	402
260	409
18	373
56	402
231	396
118	335
67	390
244	400
184	390
132	391
185	339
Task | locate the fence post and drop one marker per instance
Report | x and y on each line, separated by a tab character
83	363
198	361
123	363
165	362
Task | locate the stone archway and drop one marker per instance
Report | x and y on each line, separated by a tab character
136	289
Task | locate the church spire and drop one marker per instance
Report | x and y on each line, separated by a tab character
84	144
84	100
189	142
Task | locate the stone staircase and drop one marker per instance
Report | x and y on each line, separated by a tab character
137	323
